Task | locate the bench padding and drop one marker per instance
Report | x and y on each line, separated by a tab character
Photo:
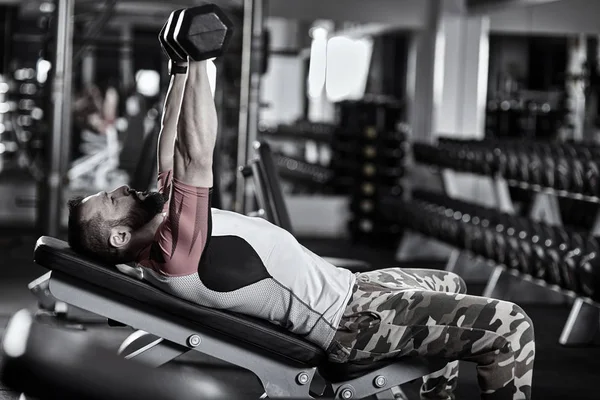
56	255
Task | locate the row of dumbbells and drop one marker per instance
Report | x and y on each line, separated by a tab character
559	166
557	255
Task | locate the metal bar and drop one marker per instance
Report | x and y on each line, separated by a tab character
58	144
249	97
498	286
452	260
486	6
425	76
582	325
126	57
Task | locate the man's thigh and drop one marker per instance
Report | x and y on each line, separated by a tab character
425	322
414	279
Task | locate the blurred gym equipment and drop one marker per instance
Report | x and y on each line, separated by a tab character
48	363
535	248
271	202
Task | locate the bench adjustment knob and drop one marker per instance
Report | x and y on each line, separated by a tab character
379	381
194	341
302	378
347	393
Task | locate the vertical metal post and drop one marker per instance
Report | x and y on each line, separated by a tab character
58	142
425	71
88	67
252	53
126	57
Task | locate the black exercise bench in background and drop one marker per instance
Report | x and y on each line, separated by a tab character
271	202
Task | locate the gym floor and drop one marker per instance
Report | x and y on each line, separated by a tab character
560	373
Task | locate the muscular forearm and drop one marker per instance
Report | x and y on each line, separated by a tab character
197	128
168	129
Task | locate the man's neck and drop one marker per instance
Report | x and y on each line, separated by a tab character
142	238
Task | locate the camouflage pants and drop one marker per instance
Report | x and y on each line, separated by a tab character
416	312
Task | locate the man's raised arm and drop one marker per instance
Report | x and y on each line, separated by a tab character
197	129
168	128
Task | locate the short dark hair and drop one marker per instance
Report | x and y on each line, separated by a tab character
90	237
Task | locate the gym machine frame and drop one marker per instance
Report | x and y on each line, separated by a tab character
584	318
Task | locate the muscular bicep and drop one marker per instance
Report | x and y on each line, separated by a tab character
185	231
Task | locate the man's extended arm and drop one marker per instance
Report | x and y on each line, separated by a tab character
197	130
168	129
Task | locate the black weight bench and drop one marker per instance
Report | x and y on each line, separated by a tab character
287	365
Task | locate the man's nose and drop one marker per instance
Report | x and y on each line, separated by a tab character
121	191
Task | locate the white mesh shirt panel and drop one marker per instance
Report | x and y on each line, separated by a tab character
277	304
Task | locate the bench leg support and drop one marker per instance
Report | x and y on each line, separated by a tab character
498	285
582	324
150	349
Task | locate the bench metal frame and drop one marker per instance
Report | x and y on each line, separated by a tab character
162	337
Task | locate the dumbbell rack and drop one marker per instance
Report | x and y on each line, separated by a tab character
584	317
583	321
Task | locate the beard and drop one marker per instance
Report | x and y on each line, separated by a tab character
149	204
153	202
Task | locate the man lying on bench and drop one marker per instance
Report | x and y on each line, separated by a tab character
229	261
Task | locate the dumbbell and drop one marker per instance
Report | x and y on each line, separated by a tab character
536	169
571	260
588	273
524	163
562	245
539	244
200	33
576	170
512	165
562	174
525	254
513	248
592	178
549	168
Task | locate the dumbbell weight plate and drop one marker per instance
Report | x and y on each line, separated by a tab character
580	248
535	168
512	166
552	244
478	239
500	162
524	162
563	174
500	244
525	252
577	176
204	32
538	256
571	261
512	248
592	178
549	171
166	37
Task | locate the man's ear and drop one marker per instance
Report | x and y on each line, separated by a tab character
120	236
